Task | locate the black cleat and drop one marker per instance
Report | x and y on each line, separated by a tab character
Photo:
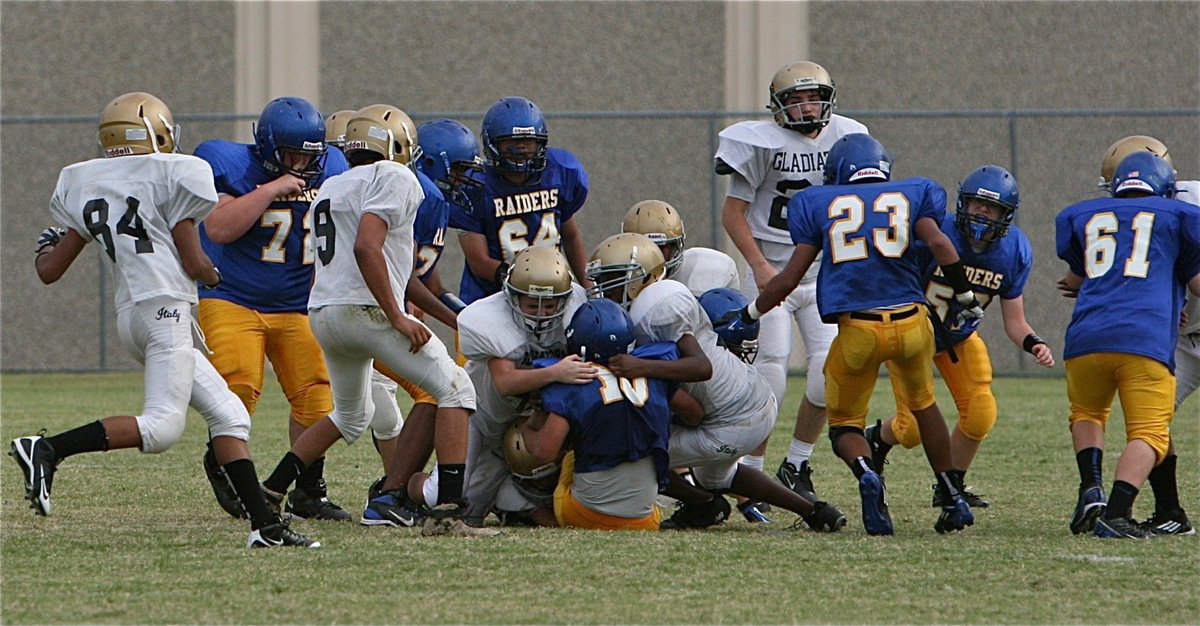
798	480
1120	528
308	505
1168	523
278	535
702	515
974	500
1088	509
956	515
38	460
227	497
825	518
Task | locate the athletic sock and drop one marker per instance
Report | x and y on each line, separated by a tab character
799	452
87	438
1166	489
1120	501
244	479
450	481
1090	462
311	480
289	469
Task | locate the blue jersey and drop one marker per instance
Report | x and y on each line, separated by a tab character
269	268
867	234
1136	256
514	217
1002	269
616	420
429	231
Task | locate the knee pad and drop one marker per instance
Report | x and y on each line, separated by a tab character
386	421
715	478
352	429
311	403
458	392
837	432
160	431
976	420
907	433
229	420
815	385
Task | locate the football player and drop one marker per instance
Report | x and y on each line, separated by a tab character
140	203
738	408
528	197
335	127
998	259
363	226
768	163
258	235
1143	246
869	284
501	335
617	428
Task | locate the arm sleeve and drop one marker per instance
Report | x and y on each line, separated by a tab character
801	222
674	315
579	190
194	196
1022	267
394	195
740	188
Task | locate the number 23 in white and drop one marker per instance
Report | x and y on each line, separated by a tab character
850	212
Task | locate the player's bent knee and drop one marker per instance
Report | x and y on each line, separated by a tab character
980	417
906	431
160	431
837	432
247	394
459	393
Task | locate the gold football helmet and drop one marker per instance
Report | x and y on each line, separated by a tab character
335	127
663	225
137	123
383	129
802	76
628	262
1123	148
517	455
542	274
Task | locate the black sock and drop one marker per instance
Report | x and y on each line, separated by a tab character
1090	462
861	465
960	478
948	484
312	480
289	469
450	481
1166	489
245	482
1120	501
86	438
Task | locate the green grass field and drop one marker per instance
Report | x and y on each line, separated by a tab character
139	539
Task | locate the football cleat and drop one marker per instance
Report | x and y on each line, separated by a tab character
798	480
753	512
703	515
37	459
446	520
278	535
1120	528
1088	509
391	509
304	504
1169	523
876	519
974	500
956	515
825	518
227	497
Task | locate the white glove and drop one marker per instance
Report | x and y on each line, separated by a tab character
971	310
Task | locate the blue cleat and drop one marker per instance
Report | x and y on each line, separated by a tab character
1090	507
875	515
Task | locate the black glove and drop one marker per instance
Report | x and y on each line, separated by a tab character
50	237
501	274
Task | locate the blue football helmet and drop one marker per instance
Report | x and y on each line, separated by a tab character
992	184
600	330
445	144
857	158
515	117
295	125
721	305
1146	172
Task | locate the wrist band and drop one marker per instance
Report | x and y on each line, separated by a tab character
752	310
1031	340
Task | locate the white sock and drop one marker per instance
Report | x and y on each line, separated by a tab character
752	461
799	452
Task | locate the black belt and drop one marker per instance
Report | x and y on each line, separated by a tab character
883	317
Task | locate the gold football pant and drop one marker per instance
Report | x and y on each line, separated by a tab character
969	381
1145	386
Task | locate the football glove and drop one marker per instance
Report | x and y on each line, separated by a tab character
50	237
971	309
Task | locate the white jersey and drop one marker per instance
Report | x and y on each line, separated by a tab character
129	205
488	329
666	311
704	268
1189	191
776	163
384	188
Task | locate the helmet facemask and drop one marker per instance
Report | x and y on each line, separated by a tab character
791	116
981	230
609	279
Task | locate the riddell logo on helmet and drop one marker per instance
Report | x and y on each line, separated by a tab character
867	172
357	144
1134	184
524	130
987	193
118	151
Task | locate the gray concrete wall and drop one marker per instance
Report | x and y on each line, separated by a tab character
71	57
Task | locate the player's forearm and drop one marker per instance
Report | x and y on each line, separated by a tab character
475	252
786	280
516	382
196	263
373	267
576	252
53	261
419	294
733	218
234	216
